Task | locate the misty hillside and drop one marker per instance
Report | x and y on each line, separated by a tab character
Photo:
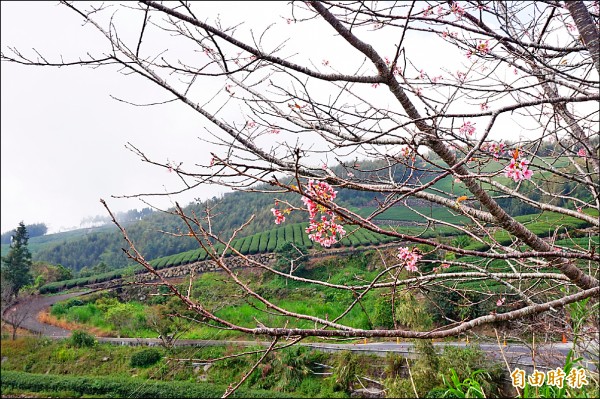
88	247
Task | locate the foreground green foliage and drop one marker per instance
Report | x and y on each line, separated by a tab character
145	357
120	387
81	339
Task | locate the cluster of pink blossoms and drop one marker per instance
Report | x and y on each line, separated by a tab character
496	149
518	170
409	257
458	10
323	231
483	47
279	217
467	128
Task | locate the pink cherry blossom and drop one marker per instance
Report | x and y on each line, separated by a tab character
483	47
279	217
582	152
500	301
457	10
325	232
274	131
445	265
496	149
518	171
409	257
467	128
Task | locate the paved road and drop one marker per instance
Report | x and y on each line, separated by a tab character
545	357
37	305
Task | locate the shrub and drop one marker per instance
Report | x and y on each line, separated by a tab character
202	255
161	262
254	243
120	387
264	241
81	339
288	233
238	243
298	236
272	241
145	358
280	237
382	314
246	246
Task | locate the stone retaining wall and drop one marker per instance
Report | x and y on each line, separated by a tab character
232	262
204	266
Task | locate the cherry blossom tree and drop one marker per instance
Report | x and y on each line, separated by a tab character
500	99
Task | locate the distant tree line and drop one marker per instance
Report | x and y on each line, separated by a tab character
34	230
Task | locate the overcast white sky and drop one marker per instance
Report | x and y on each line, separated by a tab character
63	136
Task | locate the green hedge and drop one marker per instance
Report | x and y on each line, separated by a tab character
369	235
264	241
298	235
201	255
187	256
288	233
122	387
280	237
254	243
238	243
246	246
352	237
360	234
272	240
178	258
162	262
51	288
